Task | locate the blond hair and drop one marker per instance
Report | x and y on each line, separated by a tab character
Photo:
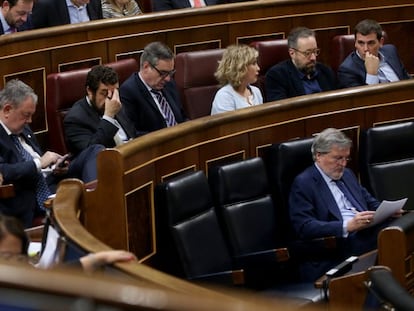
233	65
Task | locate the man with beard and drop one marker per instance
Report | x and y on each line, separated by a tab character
150	96
326	199
372	62
14	15
301	74
98	118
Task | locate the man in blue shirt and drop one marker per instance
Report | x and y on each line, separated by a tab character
15	16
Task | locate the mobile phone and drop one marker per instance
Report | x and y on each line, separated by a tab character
62	161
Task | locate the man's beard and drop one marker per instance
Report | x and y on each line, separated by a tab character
309	69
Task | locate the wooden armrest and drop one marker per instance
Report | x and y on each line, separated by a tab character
232	277
35	234
7	191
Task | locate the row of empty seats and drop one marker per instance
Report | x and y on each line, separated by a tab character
235	221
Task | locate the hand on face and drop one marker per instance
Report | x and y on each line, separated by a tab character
112	103
371	63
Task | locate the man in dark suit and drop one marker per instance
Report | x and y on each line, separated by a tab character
327	200
301	74
371	62
150	96
163	5
98	118
33	173
14	16
47	13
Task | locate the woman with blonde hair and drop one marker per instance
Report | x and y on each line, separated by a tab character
237	70
120	8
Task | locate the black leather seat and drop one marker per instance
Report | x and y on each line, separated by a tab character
187	227
387	161
284	161
246	210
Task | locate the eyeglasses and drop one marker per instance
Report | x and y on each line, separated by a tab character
308	53
163	74
339	159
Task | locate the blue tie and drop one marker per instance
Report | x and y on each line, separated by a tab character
165	108
42	189
348	195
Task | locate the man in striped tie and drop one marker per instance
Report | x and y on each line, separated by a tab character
150	97
33	173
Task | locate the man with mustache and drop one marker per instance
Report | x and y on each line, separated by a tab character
301	74
372	62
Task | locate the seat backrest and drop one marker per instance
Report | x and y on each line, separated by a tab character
387	161
187	219
342	46
271	52
196	82
65	88
284	161
242	197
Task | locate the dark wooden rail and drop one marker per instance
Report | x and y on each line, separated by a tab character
31	55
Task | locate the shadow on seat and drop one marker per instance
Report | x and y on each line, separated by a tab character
271	52
284	161
246	211
387	291
188	232
65	88
387	161
196	82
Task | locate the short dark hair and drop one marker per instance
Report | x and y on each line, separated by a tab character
155	51
299	32
367	26
101	74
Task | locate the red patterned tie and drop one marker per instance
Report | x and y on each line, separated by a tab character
197	4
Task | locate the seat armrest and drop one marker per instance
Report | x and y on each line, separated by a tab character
232	277
7	191
316	249
263	257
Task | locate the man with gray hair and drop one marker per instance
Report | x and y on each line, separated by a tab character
33	173
150	97
326	199
301	74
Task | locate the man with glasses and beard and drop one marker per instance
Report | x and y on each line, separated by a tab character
150	96
301	74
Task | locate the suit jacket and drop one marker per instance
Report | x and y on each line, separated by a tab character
47	13
141	108
352	70
84	127
22	174
283	80
313	209
163	5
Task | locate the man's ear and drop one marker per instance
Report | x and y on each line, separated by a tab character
291	52
7	108
381	41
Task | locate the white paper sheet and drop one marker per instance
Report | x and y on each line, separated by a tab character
386	209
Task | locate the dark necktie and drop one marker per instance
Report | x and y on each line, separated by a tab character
348	195
42	190
165	108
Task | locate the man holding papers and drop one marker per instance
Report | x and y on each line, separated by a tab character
327	200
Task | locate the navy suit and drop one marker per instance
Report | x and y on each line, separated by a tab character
163	5
141	108
47	13
283	80
352	70
315	214
84	126
23	174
